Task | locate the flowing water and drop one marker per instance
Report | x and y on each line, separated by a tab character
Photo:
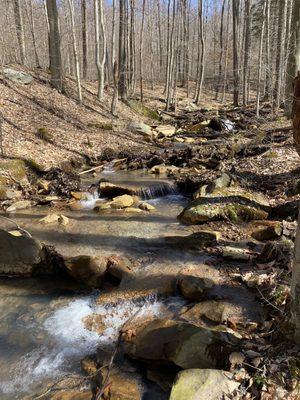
42	333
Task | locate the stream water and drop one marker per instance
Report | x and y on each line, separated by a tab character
42	334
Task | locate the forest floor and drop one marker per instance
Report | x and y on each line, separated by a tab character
239	175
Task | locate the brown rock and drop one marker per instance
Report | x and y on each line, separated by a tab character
194	288
87	269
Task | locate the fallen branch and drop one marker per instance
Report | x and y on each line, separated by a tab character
111	362
17	226
91	170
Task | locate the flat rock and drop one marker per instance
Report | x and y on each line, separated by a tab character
19	205
198	384
146	207
140	127
165	130
122	385
110	190
122	201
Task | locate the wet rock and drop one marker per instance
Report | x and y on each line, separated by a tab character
159	169
122	385
231	203
194	288
80	195
203	384
19	205
95	323
110	190
87	269
120	267
162	377
181	343
72	395
20	255
271	231
76	206
216	311
122	201
146	207
55	219
165	131
17	76
132	210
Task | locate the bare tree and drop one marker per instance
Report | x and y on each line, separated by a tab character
236	76
247	46
84	38
221	48
75	51
141	50
259	67
20	29
122	51
100	49
54	47
201	53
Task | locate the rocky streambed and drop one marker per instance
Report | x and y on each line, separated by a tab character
160	275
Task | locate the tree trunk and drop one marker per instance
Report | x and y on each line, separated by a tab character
84	38
199	83
75	51
159	35
122	52
20	30
100	50
268	93
54	47
141	51
261	41
280	49
221	49
246	49
236	77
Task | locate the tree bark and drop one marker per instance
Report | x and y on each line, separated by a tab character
84	38
141	51
236	76
246	49
100	49
259	72
20	30
54	47
280	49
122	52
199	83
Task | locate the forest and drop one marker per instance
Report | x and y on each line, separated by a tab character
149	197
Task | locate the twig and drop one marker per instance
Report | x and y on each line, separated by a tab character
18	226
91	170
267	301
110	364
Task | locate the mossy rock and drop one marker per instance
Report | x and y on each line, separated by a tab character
35	165
44	134
143	110
12	170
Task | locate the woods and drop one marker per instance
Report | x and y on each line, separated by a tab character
191	48
149	199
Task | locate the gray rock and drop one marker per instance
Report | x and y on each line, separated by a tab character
202	384
141	128
17	76
194	288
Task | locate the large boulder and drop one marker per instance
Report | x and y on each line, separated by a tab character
110	190
140	127
231	203
87	269
180	343
198	384
122	201
17	76
19	255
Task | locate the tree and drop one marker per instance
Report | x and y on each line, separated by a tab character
100	50
141	50
54	47
84	38
75	51
20	30
236	76
201	53
296	125
247	46
261	40
122	51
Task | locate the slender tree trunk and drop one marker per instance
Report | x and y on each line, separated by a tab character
246	49
20	30
75	51
236	76
221	49
159	35
122	52
141	51
100	49
202	54
268	93
30	17
226	54
259	72
280	49
84	38
54	47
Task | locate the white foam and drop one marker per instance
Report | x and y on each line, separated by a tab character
68	340
89	204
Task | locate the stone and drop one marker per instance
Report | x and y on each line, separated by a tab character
110	190
236	253
122	385
8	194
122	201
76	206
19	205
87	269
133	210
146	207
120	267
17	76
55	219
165	131
186	345
196	241
20	255
159	169
81	196
89	366
43	185
71	395
141	128
194	288
216	311
13	170
94	323
198	384
231	203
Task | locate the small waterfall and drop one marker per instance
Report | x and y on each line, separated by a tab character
89	203
160	189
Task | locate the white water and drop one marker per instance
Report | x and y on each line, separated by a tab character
68	340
